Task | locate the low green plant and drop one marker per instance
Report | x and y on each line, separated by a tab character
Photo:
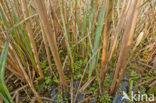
59	98
107	81
105	98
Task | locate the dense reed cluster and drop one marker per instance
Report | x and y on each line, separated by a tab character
79	47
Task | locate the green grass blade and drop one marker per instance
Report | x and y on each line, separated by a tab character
3	17
3	88
12	32
91	27
84	31
66	34
4	99
91	15
97	38
130	86
26	46
20	29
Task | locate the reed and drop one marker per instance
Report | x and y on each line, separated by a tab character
31	38
125	44
51	39
97	38
87	43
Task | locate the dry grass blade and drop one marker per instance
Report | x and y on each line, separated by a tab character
51	40
28	80
31	39
152	85
71	91
138	40
117	32
13	67
125	44
48	54
86	84
86	99
109	8
138	85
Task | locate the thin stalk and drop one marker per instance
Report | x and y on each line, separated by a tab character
125	44
31	39
4	92
97	38
66	34
109	8
84	31
48	54
51	40
28	80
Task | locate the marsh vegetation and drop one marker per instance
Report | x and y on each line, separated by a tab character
76	51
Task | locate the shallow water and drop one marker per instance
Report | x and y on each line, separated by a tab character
117	98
